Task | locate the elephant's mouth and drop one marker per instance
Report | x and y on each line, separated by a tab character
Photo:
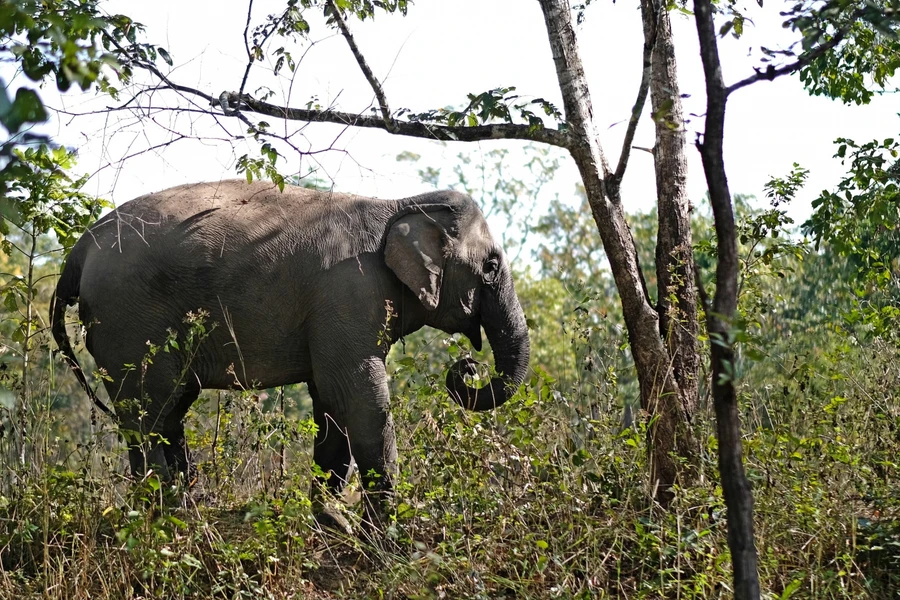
473	332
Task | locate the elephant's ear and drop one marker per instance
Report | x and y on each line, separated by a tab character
414	252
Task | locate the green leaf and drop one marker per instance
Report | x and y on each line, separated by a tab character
5	104
9	302
27	108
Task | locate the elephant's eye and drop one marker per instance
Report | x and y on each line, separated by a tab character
490	268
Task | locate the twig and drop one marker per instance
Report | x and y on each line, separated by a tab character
267	33
140	152
363	65
247	47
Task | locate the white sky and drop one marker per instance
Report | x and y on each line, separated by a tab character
432	58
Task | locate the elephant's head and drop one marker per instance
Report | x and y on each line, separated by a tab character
440	248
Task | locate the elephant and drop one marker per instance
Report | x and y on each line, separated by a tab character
304	286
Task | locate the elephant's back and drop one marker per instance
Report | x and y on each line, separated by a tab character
234	204
237	217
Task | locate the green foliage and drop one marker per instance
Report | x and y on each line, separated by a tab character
69	42
365	9
868	56
859	221
537	499
497	105
863	48
42	199
43	196
47	39
264	166
868	60
25	109
545	497
768	249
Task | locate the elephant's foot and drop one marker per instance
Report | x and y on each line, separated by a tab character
377	504
325	497
182	468
146	459
330	518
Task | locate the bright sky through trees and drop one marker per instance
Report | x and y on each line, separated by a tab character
431	58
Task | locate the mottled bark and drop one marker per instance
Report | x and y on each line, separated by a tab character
659	388
735	486
677	302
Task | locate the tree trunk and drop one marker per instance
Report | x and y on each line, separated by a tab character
676	282
670	433
735	486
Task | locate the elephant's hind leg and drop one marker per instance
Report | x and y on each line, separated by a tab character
175	446
150	408
146	457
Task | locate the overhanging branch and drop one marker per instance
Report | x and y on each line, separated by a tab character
498	131
235	104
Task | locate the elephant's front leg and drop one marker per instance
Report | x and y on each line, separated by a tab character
331	453
359	394
331	450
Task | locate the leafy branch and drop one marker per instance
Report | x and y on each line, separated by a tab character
824	30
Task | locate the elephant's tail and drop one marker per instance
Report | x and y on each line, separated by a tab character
67	291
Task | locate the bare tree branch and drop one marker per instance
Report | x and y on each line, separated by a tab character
363	65
233	103
638	109
247	47
147	150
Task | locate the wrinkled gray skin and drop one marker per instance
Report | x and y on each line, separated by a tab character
297	283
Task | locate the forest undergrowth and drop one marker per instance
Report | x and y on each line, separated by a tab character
548	497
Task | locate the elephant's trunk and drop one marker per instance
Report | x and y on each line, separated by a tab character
504	324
